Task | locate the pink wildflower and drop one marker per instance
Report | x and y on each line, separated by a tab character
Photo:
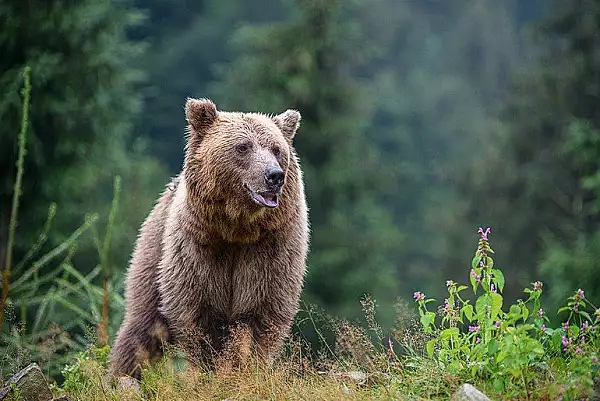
419	296
484	234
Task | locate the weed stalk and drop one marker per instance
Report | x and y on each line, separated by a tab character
26	93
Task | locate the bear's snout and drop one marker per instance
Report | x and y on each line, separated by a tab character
274	178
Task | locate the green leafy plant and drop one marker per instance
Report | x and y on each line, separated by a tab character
75	375
511	349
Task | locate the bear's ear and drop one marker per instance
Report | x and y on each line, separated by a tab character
288	122
200	113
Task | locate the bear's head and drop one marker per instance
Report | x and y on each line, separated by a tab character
241	161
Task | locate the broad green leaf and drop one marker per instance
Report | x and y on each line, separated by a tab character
468	311
482	303
514	310
499	276
461	288
496	305
426	320
451	332
525	313
474	283
586	315
431	347
476	260
493	346
498	385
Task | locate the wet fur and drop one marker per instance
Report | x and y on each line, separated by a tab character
208	262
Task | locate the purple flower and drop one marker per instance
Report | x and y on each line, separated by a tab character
473	273
580	293
584	326
576	307
419	296
543	328
579	351
477	340
497	324
484	234
594	359
473	329
565	341
478	278
540	313
565	326
446	305
537	286
449	283
492	288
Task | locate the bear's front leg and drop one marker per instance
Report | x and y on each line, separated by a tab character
269	330
236	353
139	341
185	301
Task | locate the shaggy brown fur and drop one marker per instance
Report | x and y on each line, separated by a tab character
211	260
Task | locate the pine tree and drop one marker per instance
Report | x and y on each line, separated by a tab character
83	100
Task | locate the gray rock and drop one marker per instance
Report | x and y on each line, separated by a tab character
358	378
28	385
126	382
467	392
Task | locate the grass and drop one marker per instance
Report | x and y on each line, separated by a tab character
289	379
415	377
507	355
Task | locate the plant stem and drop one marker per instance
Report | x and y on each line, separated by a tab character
106	267
103	329
16	193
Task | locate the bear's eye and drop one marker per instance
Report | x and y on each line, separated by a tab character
243	148
276	151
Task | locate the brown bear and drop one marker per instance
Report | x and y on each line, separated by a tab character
223	252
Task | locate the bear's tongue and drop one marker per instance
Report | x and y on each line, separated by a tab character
267	199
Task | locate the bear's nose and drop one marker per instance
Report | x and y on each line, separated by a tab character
274	178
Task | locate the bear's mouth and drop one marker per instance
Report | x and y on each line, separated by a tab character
263	198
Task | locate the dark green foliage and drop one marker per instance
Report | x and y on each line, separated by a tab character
434	77
82	109
537	181
187	39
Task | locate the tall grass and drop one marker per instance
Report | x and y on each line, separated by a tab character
16	192
107	267
48	307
